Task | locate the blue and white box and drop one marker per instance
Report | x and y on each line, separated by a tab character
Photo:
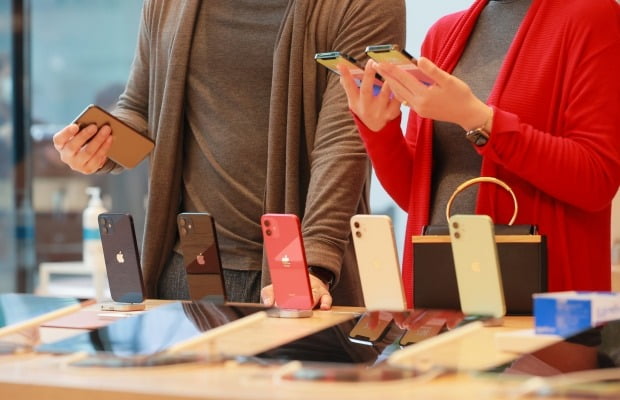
567	313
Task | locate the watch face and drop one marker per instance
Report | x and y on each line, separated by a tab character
477	137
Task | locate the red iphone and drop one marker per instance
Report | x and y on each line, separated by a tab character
286	259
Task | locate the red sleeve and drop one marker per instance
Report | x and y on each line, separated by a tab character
391	159
572	152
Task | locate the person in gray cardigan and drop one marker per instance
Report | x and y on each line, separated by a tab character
245	123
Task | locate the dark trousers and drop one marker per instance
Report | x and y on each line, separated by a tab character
241	286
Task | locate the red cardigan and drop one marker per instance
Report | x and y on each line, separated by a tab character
555	138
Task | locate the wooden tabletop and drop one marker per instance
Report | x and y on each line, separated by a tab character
38	376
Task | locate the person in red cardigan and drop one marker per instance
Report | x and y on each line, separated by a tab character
541	110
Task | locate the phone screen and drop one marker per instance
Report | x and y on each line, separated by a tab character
370	327
153	331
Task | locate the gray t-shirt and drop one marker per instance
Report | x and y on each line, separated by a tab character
454	158
225	146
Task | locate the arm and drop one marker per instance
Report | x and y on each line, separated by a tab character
392	157
339	165
560	135
132	106
86	150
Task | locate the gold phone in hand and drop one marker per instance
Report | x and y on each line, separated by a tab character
331	60
393	54
129	146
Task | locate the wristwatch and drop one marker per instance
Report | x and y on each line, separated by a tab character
323	274
478	136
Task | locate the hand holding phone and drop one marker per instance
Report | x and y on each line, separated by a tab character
129	146
331	60
393	54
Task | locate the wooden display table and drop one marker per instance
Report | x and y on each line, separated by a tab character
41	376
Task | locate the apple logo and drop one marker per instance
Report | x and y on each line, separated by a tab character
475	266
286	261
120	257
200	259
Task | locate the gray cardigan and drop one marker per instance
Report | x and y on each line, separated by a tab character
317	167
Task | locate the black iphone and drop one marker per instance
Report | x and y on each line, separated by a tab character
122	259
201	255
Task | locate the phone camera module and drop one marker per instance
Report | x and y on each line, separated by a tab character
358	234
268	232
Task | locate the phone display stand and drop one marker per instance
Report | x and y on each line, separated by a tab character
486	320
284	313
116	306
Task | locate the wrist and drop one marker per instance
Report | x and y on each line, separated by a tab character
325	275
480	134
481	118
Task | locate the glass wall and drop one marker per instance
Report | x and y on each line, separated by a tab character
81	52
70	53
7	194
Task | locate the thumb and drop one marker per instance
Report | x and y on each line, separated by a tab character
267	295
326	302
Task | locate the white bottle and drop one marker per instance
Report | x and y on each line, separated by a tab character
92	250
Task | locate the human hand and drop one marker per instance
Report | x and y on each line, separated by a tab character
449	99
84	150
320	294
267	297
375	111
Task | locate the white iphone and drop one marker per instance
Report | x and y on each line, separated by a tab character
476	264
377	260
